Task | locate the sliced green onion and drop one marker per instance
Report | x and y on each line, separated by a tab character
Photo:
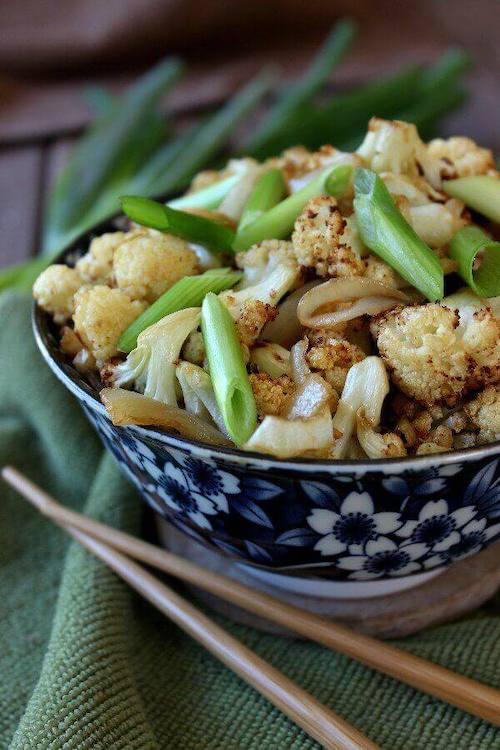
268	191
190	227
385	231
210	197
298	95
187	292
277	223
464	247
227	369
481	192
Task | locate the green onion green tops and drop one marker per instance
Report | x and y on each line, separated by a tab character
464	248
187	292
385	231
277	223
269	190
190	227
227	369
482	193
210	197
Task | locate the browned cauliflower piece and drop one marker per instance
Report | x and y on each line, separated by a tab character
97	263
332	357
297	163
54	291
326	241
147	264
463	156
436	354
270	271
253	317
271	394
378	270
484	413
101	315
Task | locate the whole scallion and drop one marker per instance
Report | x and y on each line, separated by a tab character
268	191
480	192
187	292
293	101
464	248
278	222
227	369
385	231
190	227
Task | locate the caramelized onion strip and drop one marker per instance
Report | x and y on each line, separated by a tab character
127	407
366	297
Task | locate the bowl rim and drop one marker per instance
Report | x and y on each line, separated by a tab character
84	391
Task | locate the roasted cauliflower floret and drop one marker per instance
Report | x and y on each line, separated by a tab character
484	413
297	163
271	394
433	217
326	241
54	290
97	263
332	357
378	270
435	223
146	265
270	271
101	315
437	354
395	146
463	156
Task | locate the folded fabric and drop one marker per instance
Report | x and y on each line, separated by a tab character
85	663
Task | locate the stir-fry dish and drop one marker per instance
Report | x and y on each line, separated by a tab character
322	304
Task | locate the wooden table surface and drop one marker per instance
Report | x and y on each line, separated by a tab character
40	120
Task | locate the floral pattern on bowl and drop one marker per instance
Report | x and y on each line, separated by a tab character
348	526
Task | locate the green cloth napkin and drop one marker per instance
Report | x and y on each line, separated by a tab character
85	663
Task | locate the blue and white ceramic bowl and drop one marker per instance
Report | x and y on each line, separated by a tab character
304	525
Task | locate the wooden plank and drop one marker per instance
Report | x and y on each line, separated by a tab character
20	175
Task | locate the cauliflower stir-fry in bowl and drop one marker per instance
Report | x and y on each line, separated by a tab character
327	305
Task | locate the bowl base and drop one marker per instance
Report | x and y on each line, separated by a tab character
338	589
440	598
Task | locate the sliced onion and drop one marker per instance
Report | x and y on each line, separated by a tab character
286	438
311	396
368	297
271	358
299	368
127	407
285	329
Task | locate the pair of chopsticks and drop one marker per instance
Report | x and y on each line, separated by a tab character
318	721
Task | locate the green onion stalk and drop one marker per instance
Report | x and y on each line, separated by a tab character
190	227
385	231
227	369
277	223
269	190
465	247
480	192
210	197
187	292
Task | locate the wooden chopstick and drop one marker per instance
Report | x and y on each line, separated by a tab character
313	717
462	692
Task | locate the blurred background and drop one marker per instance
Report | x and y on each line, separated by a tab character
51	50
